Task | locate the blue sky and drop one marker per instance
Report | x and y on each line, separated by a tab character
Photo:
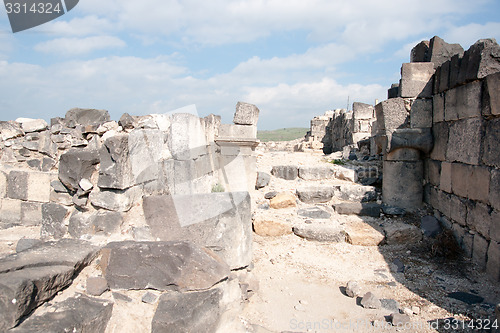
293	59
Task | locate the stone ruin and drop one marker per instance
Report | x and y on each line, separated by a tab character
157	205
438	135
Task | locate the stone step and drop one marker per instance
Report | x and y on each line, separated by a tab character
356	208
321	232
350	173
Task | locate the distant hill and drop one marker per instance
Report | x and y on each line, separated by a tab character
282	134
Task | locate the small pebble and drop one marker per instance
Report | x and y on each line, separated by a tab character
415	309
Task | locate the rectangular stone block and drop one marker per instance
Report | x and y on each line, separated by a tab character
479	183
10	212
491	153
31	213
246	114
444	77
436	80
445	179
468	102
494	196
450	105
238	131
416	79
493	263
458	210
480	60
434	172
438	108
459	233
479	251
433	197
421	113
440	133
460	174
464	144
187	136
479	218
491	95
392	114
454	69
39	186
444	203
17	185
362	111
3	185
495	226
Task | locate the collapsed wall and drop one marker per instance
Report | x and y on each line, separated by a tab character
440	141
170	188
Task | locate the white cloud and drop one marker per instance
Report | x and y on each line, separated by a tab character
468	34
78	46
79	26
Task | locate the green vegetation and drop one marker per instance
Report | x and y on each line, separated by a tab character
283	134
217	188
338	162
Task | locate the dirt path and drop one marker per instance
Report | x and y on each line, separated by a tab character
302	282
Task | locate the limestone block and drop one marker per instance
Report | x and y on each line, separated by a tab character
10	129
494	195
212	126
421	113
445	179
438	108
392	114
246	114
283	200
479	251
288	172
491	153
238	131
479	218
10	213
402	233
402	184
434	172
478	184
440	133
76	164
316	173
146	148
85	117
491	95
321	232
463	101
17	185
493	263
271	226
39	186
468	244
460	175
415	138
416	80
29	125
360	209
444	205
362	111
220	221
262	180
187	137
315	194
115	200
464	144
480	60
357	193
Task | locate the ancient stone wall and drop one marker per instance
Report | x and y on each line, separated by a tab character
444	126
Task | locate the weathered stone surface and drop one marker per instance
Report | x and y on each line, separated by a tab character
416	80
420	53
188	312
315	194
314	213
76	314
370	301
362	111
440	51
359	193
31	213
491	95
316	173
491	154
53	224
127	121
96	286
187	137
358	208
288	172
17	185
75	165
263	179
162	266
399	319
361	233
283	200
480	60
26	243
271	226
102	222
415	138
494	195
479	218
35	275
32	125
407	194
270	195
321	232
10	130
430	226
39	186
246	114
353	289
219	221
149	298
85	117
238	132
392	114
421	113
115	200
493	263
115	170
480	251
402	233
10	211
146	149
440	132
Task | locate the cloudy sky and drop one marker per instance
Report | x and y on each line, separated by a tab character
293	59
